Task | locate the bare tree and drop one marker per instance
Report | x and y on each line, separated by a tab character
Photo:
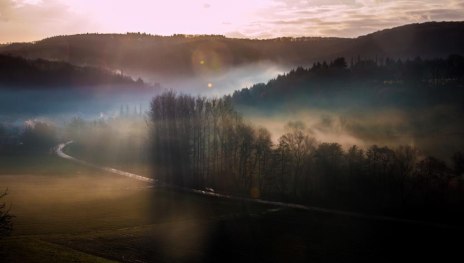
299	145
6	224
406	159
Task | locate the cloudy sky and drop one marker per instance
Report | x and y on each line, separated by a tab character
28	20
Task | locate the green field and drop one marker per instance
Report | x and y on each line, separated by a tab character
68	213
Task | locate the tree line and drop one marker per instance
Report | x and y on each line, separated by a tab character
432	80
205	144
52	74
36	137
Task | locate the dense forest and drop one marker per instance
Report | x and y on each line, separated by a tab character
204	143
16	72
179	54
380	82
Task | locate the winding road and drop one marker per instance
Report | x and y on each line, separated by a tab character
60	153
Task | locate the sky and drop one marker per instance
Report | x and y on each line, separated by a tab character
30	20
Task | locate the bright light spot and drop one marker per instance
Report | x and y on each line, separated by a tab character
202	62
210	85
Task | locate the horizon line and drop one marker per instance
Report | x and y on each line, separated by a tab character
225	35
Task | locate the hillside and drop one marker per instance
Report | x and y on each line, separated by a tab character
181	54
16	72
366	83
427	40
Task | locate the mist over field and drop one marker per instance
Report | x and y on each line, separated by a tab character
217	81
346	115
436	131
89	102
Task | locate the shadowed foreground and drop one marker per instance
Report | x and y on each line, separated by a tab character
90	216
283	236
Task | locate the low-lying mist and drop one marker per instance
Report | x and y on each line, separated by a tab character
435	131
108	101
58	103
215	79
353	115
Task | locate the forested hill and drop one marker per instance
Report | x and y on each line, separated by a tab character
358	82
182	54
18	72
